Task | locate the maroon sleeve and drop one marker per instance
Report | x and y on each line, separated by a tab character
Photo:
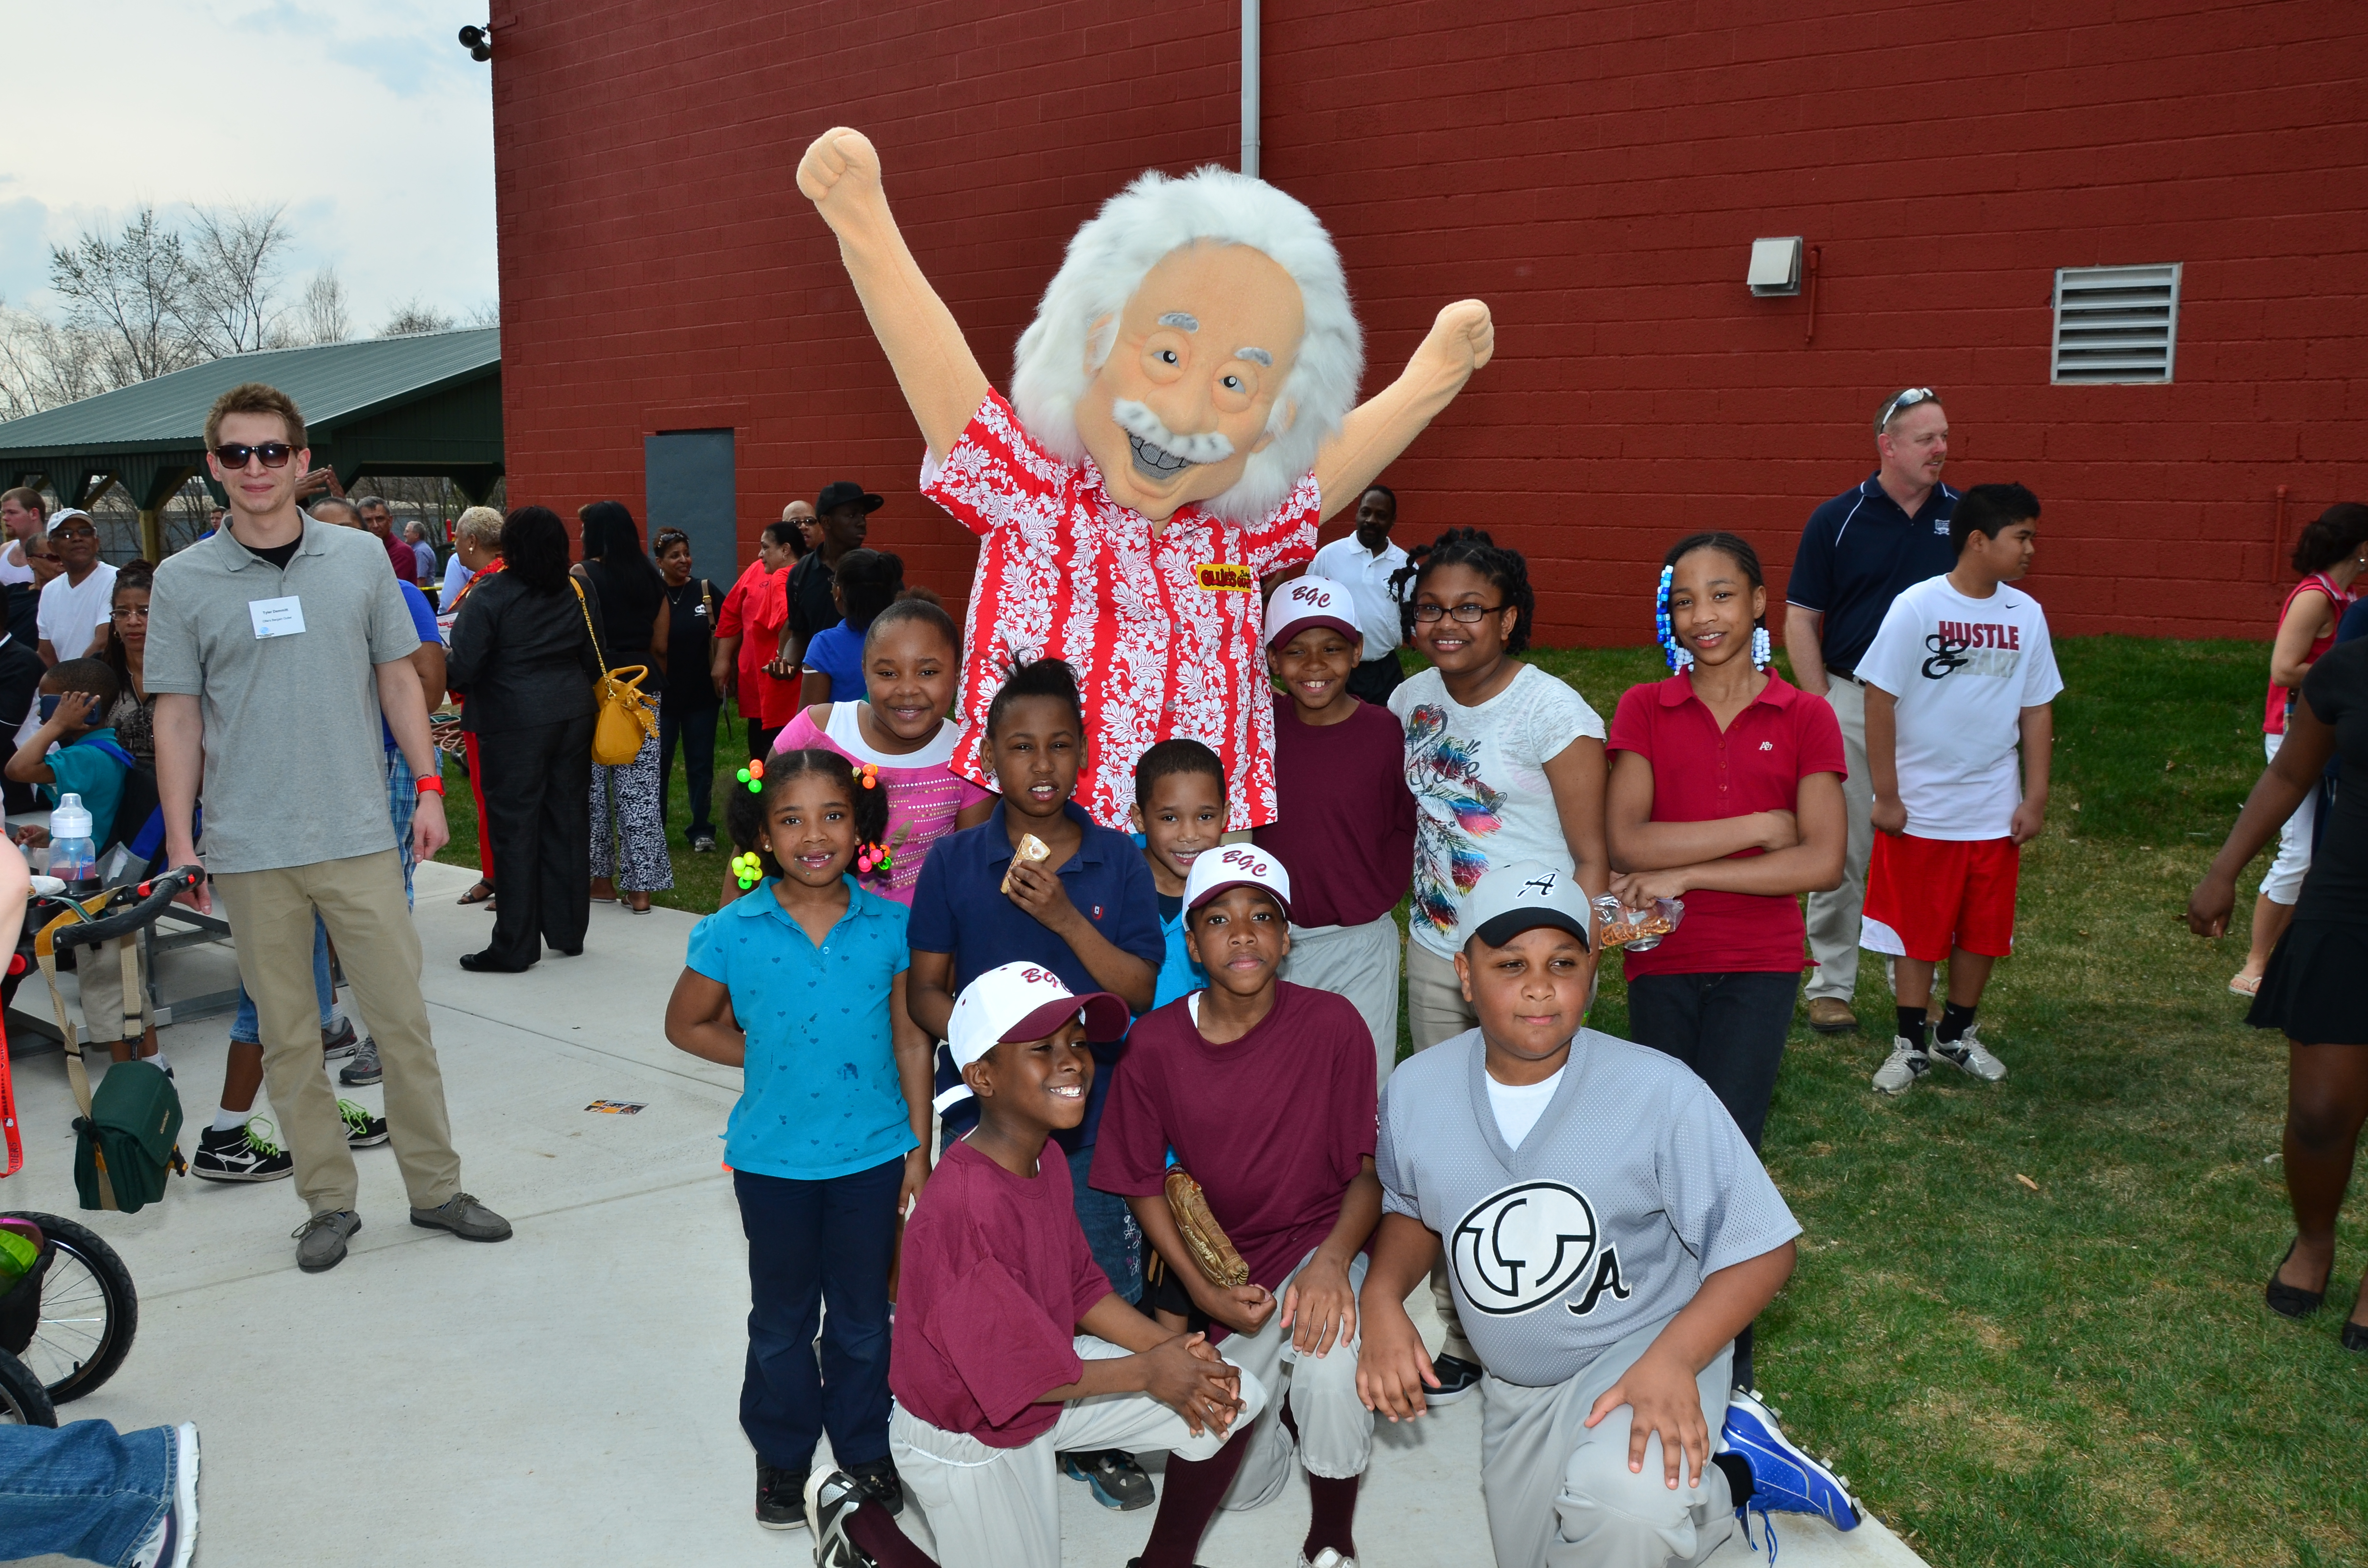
1131	1149
1356	1113
1008	1353
1087	1283
1820	735
1632	722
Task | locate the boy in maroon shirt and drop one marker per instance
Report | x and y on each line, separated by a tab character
990	1372
1345	816
1264	1092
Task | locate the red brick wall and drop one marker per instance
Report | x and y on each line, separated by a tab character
1596	173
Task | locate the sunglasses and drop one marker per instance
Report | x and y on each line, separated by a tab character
1907	399
233	454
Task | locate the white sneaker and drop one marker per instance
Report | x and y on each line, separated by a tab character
1969	1053
1327	1558
1906	1063
170	1544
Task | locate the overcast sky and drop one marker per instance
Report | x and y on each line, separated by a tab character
366	118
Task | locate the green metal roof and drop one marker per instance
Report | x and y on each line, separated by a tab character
426	405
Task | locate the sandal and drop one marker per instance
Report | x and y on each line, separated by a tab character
640	908
2292	1300
2245	986
478	894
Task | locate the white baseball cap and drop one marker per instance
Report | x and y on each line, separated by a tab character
1528	894
1236	866
1309	601
1021	1002
57	519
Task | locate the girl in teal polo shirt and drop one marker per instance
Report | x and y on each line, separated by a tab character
801	984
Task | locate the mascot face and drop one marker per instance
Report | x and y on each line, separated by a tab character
1187	390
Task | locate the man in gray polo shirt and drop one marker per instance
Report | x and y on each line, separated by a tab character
1608	1230
273	647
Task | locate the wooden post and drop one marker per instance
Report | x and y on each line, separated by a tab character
152	534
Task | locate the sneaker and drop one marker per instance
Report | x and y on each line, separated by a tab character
1113	1477
702	844
321	1240
465	1218
170	1544
830	1502
338	1040
363	1130
363	1070
241	1154
1457	1378
881	1483
780	1497
1783	1479
1899	1073
1327	1558
1969	1053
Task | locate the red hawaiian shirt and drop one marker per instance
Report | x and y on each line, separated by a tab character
1165	634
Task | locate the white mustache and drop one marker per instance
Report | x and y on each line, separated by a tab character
1136	419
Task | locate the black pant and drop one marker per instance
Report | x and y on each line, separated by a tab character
1374	679
695	728
539	814
1730	1030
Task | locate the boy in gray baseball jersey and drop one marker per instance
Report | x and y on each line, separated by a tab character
1608	1230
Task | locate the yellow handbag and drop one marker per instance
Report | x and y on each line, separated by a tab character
626	719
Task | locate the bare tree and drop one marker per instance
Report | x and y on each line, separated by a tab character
416	317
43	364
484	312
231	256
323	314
134	290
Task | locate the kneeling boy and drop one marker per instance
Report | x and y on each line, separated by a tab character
990	1371
1609	1232
1264	1092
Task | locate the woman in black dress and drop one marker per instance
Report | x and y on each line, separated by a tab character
522	657
2311	989
688	716
629	847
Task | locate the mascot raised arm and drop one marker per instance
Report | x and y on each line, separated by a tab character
1182	415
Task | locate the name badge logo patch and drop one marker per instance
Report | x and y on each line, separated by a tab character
1223	577
1524	1245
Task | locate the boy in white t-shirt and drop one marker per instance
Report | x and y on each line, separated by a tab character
1960	671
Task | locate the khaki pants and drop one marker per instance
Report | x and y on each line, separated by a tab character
1360	963
99	971
1834	917
361	900
1436	1010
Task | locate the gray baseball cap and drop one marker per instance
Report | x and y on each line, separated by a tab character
1513	899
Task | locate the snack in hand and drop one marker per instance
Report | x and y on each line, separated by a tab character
1032	851
1220	1264
1637	931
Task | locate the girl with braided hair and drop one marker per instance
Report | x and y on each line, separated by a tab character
1506	764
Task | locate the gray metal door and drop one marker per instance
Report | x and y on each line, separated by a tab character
690	486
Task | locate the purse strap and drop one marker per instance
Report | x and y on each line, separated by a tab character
587	610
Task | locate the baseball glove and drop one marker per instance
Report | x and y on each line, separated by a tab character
1220	1264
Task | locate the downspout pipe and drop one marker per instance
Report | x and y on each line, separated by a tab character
1250	88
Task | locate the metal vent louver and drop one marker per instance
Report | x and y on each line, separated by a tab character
2115	323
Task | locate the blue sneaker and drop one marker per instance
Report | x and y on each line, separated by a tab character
1785	1479
1116	1481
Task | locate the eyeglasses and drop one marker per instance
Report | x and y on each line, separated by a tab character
1468	615
233	454
1907	399
129	612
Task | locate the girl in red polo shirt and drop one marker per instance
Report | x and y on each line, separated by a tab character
1727	791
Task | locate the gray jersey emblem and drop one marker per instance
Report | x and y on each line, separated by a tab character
1523	1247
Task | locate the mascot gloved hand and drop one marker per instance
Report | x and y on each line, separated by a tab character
1182	415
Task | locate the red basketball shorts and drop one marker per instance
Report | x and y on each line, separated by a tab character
1925	896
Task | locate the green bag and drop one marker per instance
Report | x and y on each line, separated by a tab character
125	1148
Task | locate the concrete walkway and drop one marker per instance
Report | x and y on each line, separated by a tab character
571	1394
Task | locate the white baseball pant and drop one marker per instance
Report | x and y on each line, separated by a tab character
1336	1430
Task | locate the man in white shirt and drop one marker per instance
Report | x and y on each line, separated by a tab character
1362	563
72	618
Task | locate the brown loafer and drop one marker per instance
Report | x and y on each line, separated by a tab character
1831	1014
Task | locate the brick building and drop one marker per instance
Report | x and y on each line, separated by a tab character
1597	174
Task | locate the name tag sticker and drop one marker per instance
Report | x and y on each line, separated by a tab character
277	618
1219	576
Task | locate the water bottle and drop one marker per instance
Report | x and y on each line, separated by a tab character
74	859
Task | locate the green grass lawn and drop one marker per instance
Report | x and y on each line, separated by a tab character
2028	1319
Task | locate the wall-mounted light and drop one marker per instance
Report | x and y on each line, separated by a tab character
1775	266
478	41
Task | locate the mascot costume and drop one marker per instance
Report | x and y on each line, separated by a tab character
1181	417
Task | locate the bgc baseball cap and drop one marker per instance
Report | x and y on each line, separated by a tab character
1236	866
1516	898
1021	1002
1309	601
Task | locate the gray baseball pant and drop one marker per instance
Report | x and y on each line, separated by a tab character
1336	1430
1561	1495
1359	963
1436	1010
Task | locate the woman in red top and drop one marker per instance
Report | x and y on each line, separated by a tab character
2329	554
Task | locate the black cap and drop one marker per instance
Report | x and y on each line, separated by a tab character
845	493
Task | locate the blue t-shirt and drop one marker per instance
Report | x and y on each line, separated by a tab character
838	654
819	1096
82	768
423	621
1180	973
1858	553
960	907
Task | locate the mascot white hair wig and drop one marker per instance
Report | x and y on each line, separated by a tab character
1076	322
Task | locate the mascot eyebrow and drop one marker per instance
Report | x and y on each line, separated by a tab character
1183	319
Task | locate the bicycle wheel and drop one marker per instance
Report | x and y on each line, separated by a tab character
23	1401
89	1311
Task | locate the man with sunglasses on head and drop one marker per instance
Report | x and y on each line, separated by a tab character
73	617
274	647
1859	551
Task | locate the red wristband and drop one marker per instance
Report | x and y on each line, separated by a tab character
429	784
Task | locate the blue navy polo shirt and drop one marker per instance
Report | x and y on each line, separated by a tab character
960	907
819	1096
1857	554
